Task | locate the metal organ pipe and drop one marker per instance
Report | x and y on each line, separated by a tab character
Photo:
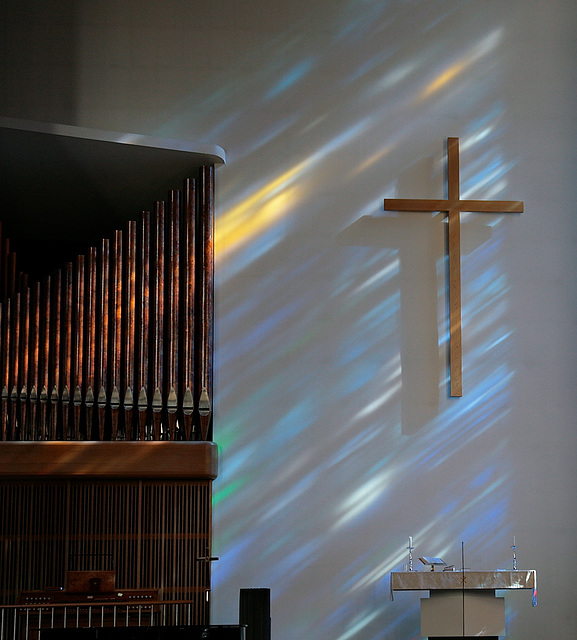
117	344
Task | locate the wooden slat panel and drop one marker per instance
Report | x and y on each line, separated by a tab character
149	532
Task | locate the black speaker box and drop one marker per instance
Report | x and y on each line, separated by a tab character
254	612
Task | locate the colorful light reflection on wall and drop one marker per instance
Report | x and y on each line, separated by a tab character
337	436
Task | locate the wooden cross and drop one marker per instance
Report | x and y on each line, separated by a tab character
453	206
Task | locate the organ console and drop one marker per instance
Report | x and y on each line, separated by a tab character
91	587
89	599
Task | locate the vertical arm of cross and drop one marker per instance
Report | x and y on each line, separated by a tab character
454	249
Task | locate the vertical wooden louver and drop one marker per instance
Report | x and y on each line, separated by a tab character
154	535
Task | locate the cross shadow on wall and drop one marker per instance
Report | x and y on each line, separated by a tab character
421	242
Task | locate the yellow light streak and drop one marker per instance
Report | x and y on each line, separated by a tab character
482	48
257	212
443	79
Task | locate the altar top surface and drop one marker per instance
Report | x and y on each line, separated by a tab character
430	580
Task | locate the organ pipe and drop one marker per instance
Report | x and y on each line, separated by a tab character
117	344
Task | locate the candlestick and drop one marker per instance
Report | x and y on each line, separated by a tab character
410	549
514	548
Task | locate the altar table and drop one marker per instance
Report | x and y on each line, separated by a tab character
462	604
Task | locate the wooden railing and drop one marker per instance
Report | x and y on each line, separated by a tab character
26	622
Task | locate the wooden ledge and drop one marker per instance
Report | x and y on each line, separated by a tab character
103	460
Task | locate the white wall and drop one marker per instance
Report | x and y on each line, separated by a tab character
338	438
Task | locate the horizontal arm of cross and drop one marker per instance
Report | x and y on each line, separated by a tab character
476	206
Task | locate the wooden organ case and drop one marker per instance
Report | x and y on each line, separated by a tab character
106	452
